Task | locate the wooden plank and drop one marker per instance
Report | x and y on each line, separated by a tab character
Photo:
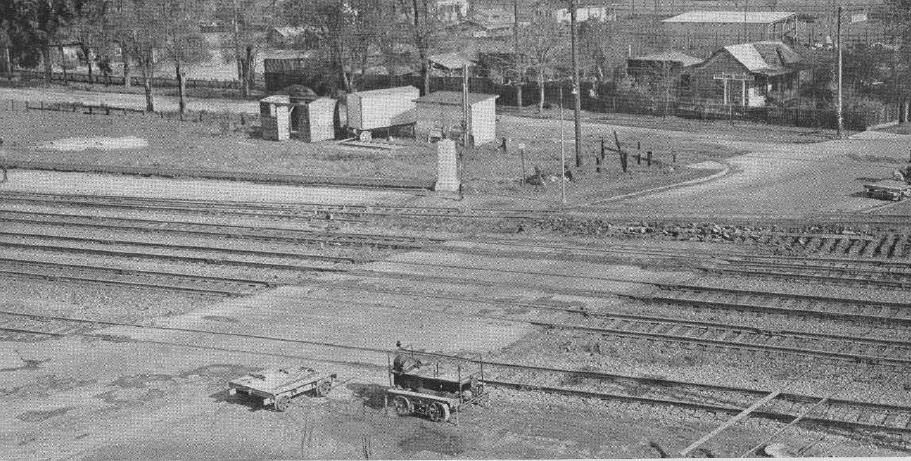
729	423
799	417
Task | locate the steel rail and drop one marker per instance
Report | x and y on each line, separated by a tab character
890	410
69	269
223	230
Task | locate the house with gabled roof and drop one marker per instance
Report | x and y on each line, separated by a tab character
747	75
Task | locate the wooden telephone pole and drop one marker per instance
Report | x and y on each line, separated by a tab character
577	90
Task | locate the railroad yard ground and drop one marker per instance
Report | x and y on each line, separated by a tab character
629	325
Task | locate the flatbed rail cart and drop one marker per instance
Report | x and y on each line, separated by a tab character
277	387
433	385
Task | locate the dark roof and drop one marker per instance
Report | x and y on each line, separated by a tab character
454	98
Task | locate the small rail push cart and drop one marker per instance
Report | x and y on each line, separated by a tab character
433	385
277	387
888	189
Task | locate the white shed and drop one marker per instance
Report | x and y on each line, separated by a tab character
384	108
442	111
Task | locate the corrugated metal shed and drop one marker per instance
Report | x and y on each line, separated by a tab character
732	17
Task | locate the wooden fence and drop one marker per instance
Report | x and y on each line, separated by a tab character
229	120
97	78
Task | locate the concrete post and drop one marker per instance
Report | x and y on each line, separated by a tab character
447	167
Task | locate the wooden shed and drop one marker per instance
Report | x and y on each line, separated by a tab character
284	117
274	112
442	111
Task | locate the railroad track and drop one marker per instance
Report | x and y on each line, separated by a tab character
304	211
855	274
185	283
883	313
716	335
881	419
840	271
269	234
85	246
794	305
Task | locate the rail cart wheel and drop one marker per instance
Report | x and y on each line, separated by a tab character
282	402
403	406
323	389
438	412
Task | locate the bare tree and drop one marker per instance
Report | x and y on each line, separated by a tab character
249	20
181	40
426	29
138	27
86	29
543	41
350	29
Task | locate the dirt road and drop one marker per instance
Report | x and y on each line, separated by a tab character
794	178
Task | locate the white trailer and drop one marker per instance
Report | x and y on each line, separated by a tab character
385	108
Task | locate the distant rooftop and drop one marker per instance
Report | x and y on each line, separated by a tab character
729	17
454	98
669	56
451	60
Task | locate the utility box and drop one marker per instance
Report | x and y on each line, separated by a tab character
274	112
385	108
447	167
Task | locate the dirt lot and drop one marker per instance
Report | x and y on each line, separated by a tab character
141	393
202	146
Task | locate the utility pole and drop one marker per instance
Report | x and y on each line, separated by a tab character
838	110
466	110
234	20
577	110
562	153
745	39
515	35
